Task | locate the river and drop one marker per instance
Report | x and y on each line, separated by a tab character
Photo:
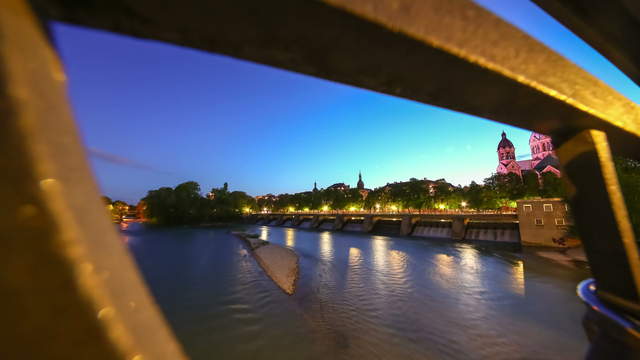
360	296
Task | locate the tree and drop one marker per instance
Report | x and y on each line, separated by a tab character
552	186
119	209
107	200
629	177
531	184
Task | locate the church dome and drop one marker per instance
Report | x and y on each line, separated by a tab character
504	143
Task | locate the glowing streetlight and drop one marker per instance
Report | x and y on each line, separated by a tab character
325	208
377	207
464	204
291	209
441	206
306	209
353	208
394	208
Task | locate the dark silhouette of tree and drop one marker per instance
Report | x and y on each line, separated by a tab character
629	177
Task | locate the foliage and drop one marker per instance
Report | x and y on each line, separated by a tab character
629	177
496	191
183	205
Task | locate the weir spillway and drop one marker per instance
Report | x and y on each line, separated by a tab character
499	228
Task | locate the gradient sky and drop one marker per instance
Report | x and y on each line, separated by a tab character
153	114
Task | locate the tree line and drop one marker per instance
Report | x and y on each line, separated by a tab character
184	204
495	192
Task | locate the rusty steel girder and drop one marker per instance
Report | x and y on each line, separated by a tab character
65	259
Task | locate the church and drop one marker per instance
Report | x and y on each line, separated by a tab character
543	157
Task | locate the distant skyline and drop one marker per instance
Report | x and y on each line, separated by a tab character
153	114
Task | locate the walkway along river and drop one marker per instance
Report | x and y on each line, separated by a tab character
360	296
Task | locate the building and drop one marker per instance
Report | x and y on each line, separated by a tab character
363	191
543	222
339	186
543	157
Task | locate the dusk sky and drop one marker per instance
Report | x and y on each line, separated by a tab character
153	114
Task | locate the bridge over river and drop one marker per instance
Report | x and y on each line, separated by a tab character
500	227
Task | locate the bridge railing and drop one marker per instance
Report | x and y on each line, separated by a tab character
449	53
387	212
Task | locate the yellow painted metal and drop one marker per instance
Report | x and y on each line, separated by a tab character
70	289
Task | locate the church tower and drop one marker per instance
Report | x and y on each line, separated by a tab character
360	182
541	147
507	157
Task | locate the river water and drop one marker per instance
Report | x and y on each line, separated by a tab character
360	296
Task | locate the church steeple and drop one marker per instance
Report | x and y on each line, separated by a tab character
360	182
315	186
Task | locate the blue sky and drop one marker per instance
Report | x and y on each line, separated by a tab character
153	114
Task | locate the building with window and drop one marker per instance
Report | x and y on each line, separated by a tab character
543	222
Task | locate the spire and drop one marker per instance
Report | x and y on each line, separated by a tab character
360	182
504	135
315	186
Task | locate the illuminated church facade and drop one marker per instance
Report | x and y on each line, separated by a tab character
543	157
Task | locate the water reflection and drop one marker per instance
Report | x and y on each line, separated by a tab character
359	296
471	270
398	262
518	278
355	257
326	245
444	269
380	248
290	237
264	233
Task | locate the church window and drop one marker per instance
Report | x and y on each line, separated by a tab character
547	207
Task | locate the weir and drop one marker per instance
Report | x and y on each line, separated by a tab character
503	228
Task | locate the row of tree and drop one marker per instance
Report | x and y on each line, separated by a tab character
496	191
184	205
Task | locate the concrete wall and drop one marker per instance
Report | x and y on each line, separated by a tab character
541	221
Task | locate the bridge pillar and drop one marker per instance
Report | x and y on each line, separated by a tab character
458	228
315	222
406	225
280	220
338	223
367	224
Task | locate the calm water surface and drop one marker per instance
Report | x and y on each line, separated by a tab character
360	297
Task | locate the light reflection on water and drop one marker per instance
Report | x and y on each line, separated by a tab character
518	278
361	296
326	245
291	237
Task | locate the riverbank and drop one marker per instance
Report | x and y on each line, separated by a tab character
278	262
